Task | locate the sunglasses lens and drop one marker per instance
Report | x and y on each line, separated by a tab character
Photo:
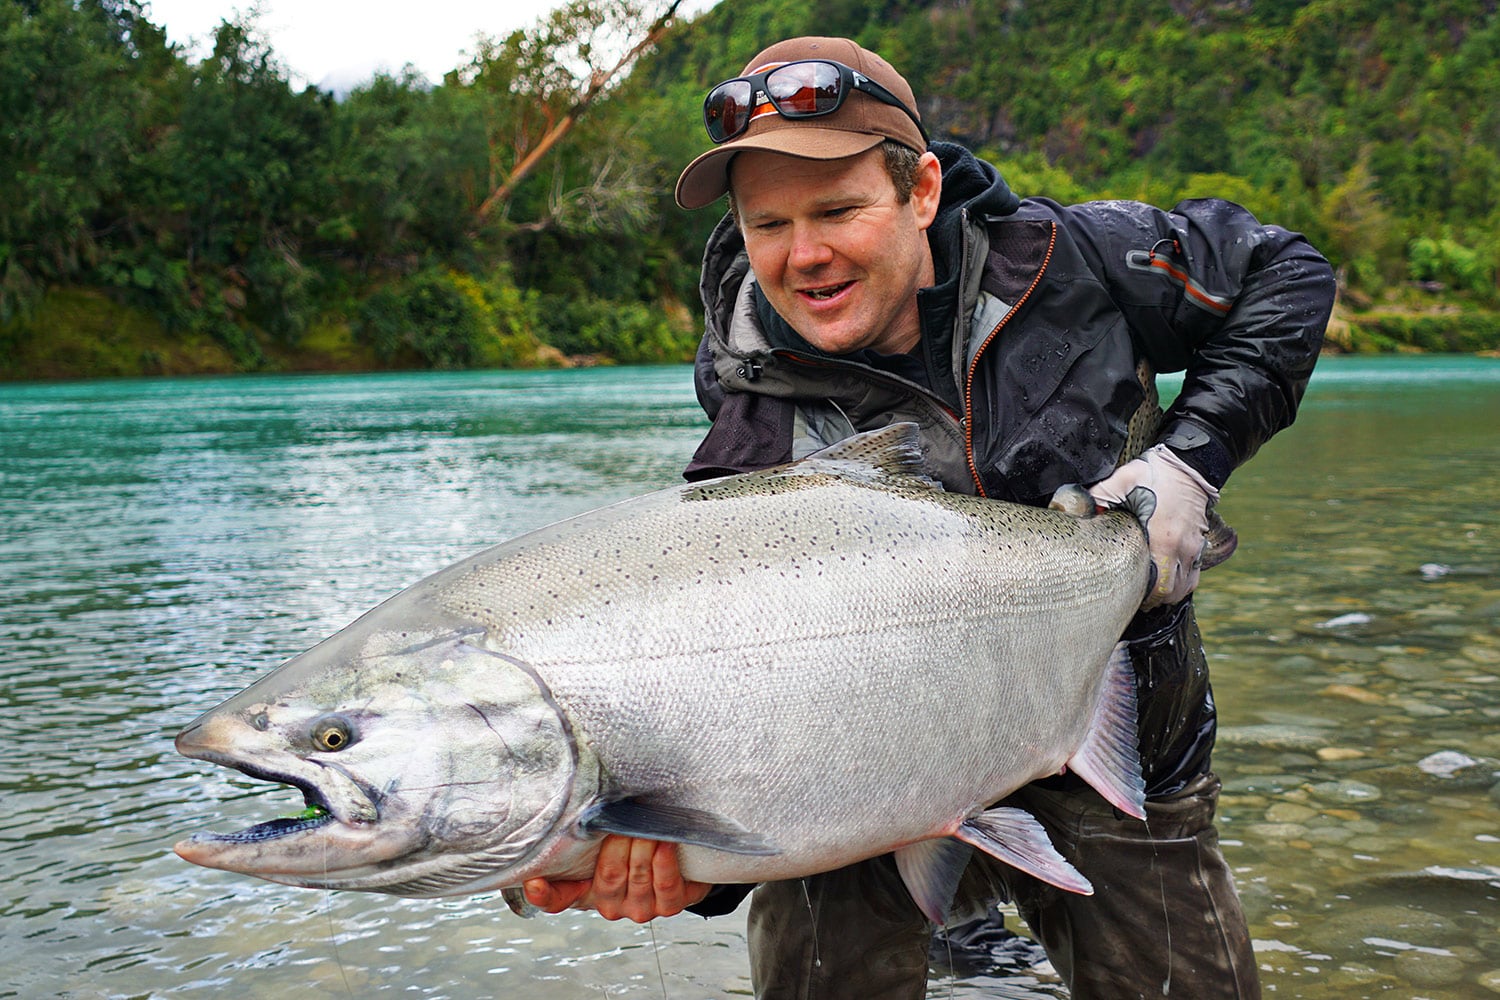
804	88
727	111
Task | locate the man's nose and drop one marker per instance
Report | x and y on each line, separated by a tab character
810	249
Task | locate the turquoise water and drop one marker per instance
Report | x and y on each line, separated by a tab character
162	543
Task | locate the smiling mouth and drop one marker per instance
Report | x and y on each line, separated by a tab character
827	292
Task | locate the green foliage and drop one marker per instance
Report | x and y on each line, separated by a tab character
443	318
77	333
235	210
431	317
1360	234
634	333
1450	263
405	161
1464	332
70	94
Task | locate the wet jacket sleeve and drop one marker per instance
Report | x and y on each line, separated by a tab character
1238	306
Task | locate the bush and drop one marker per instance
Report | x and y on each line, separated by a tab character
1449	263
427	319
444	318
1466	332
627	332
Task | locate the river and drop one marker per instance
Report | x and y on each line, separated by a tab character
163	542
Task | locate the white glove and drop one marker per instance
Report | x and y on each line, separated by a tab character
1177	530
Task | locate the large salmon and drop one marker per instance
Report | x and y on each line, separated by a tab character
785	671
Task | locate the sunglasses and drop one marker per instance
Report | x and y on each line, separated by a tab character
803	89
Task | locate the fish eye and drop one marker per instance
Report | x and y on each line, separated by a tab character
332	735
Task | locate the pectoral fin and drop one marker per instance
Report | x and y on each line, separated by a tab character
640	817
1015	837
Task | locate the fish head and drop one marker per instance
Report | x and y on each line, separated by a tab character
429	764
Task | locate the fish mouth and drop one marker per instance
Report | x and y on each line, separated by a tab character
312	818
339	810
318	809
335	840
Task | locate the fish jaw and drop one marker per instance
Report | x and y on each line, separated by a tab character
451	769
343	818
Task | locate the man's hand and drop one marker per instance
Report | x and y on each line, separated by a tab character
638	879
1176	531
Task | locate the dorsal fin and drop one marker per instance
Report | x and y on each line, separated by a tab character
893	451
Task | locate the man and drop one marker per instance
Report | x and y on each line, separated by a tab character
865	276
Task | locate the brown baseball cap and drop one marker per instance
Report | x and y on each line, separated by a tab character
861	122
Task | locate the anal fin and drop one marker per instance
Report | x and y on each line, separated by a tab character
519	905
1015	837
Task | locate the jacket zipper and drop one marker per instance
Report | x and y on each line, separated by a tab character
968	418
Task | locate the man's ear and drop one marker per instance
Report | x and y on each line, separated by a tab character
928	189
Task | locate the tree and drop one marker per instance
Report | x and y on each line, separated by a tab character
243	179
538	85
407	163
73	88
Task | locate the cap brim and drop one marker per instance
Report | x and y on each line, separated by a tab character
706	179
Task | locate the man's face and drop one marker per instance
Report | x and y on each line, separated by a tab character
835	253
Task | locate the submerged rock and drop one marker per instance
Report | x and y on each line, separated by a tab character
1445	762
1424	967
1345	792
1384	930
1274	736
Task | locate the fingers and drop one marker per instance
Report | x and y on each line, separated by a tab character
1177	569
554	897
623	881
673	892
634	879
605	892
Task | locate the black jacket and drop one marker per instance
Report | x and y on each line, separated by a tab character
1034	340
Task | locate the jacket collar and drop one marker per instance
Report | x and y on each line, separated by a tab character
972	189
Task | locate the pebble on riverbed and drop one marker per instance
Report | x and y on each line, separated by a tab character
1351	692
1331	755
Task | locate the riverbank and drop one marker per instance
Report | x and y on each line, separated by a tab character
79	333
84	333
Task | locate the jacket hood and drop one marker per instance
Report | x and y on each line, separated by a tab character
970	187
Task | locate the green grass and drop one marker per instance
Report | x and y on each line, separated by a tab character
81	333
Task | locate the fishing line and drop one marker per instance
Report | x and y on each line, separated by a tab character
952	976
813	916
1166	915
333	937
656	953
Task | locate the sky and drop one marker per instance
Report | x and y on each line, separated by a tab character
339	43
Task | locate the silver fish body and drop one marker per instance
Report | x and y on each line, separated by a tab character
785	672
